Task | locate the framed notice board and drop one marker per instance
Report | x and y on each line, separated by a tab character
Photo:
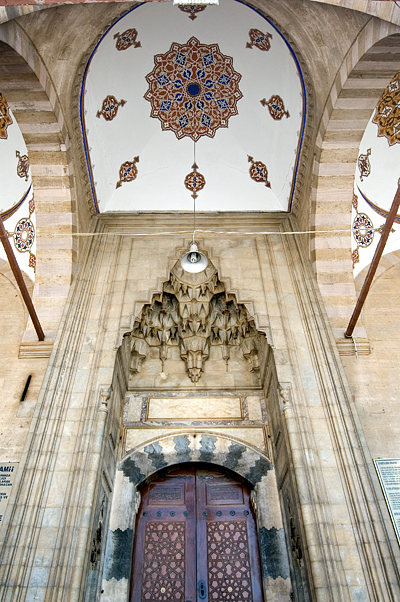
389	476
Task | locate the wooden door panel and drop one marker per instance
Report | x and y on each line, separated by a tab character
195	541
227	548
165	541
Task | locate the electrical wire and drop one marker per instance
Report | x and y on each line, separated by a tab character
202	231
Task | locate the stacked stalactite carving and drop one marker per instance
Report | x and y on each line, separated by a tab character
194	312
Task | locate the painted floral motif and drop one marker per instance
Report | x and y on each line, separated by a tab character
31	206
32	261
23	165
193	89
355	257
364	165
387	112
192	9
5	119
258	172
276	107
126	39
128	171
259	40
24	235
363	230
195	181
354	201
110	107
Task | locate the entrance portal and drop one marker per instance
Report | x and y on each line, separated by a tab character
196	541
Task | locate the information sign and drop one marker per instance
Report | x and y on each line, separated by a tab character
8	471
389	475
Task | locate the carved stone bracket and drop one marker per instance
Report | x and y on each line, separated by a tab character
194	312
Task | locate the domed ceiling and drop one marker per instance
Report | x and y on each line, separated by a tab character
203	101
376	179
17	207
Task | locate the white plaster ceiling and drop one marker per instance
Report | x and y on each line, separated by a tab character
375	184
165	160
16	193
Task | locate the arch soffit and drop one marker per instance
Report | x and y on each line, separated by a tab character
387	11
51	169
351	101
143	463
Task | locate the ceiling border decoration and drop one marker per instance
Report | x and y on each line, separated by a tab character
298	178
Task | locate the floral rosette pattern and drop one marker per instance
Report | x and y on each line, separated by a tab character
363	230
387	113
193	89
24	235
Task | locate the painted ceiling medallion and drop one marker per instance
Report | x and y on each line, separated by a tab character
128	171
364	165
23	165
276	107
193	89
363	230
195	181
387	113
5	119
127	39
259	40
192	9
258	171
110	107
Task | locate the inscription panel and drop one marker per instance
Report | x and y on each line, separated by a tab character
181	408
167	495
224	494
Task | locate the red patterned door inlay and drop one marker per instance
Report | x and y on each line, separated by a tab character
259	39
164	562
229	574
193	89
195	541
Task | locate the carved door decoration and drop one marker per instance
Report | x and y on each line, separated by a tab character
196	541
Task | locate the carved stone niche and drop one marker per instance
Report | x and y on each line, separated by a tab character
193	313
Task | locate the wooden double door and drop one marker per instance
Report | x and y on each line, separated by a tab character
195	541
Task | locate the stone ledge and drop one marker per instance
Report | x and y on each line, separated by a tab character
35	350
346	346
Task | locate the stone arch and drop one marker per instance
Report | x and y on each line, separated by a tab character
142	465
32	98
365	72
387	11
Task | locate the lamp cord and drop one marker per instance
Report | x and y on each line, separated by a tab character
194	198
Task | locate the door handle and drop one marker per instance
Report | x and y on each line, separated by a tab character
202	590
